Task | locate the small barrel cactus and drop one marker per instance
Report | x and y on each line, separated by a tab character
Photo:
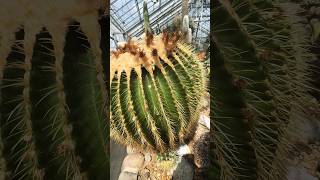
156	85
53	92
261	78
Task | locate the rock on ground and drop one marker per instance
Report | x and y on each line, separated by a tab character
128	176
132	163
295	173
117	152
184	170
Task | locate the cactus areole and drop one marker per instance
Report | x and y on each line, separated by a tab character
156	85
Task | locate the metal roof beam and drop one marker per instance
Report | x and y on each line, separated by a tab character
165	6
137	5
149	2
121	6
116	24
161	23
155	15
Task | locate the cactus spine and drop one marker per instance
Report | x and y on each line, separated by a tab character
260	81
156	85
53	93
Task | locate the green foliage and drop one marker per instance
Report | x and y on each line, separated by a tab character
261	78
167	156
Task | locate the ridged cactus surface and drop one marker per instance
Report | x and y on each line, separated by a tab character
53	92
261	78
156	86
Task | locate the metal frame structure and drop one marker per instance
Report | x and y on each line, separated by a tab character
126	18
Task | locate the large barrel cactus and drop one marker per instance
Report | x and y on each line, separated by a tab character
53	92
155	93
155	87
261	78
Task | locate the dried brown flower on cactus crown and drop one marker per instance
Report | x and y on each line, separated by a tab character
202	56
135	54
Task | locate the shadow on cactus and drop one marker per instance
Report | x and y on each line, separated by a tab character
53	92
156	85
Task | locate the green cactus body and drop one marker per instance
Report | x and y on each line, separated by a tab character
53	105
260	80
155	93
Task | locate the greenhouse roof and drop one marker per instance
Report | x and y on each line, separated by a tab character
126	18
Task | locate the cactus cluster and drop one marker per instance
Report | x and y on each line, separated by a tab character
260	82
53	92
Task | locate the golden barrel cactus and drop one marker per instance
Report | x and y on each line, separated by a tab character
156	85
